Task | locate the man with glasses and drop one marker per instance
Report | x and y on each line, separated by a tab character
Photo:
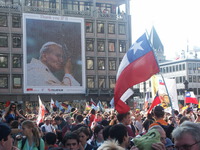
52	60
187	136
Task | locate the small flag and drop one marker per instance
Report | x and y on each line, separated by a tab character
190	98
64	105
112	104
59	106
146	101
52	104
161	82
155	102
100	106
92	102
87	107
41	112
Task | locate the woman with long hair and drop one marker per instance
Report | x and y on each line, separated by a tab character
11	113
84	136
33	141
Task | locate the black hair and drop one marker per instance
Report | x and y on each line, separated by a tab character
50	138
70	135
106	132
97	129
120	117
118	132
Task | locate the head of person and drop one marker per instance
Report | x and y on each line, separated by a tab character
158	112
161	131
58	120
169	144
187	136
71	141
79	118
52	55
50	138
119	133
6	141
48	120
84	135
92	111
12	107
124	118
106	132
98	133
30	129
110	145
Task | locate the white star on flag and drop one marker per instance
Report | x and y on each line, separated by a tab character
137	46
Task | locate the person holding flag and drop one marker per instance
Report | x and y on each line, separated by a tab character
137	65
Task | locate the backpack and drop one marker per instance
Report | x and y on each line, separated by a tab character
24	141
167	128
87	120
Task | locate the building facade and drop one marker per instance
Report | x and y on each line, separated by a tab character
186	72
107	38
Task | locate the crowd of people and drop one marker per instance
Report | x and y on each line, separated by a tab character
96	130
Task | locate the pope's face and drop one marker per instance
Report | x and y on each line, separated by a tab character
54	58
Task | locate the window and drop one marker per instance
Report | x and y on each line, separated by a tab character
122	46
16	21
111	28
190	78
189	66
90	45
100	46
90	82
112	81
17	81
3	81
194	66
90	64
122	29
100	27
194	79
112	64
3	60
17	61
102	82
3	40
101	64
3	20
89	27
16	41
111	46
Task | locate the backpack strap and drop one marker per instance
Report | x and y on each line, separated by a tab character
23	143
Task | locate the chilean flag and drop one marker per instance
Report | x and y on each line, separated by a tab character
155	102
137	65
190	98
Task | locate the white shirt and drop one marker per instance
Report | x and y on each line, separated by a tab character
39	74
48	128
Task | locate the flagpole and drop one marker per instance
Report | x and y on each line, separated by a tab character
168	95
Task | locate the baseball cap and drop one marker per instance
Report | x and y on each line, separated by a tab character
168	143
4	131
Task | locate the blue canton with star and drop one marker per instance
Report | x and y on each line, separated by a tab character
140	48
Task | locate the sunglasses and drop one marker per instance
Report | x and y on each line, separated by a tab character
13	107
186	146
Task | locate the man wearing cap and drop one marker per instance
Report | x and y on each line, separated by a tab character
6	141
52	59
47	127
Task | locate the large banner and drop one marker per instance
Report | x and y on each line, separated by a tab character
54	54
